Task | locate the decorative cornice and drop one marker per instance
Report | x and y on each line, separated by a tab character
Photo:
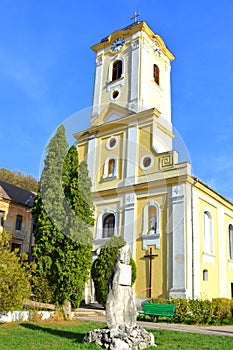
129	31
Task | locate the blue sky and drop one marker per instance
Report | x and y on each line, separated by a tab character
47	74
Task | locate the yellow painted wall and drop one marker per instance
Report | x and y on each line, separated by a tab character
82	151
210	288
145	148
11	211
229	263
159	266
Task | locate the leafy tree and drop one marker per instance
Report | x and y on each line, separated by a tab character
18	178
63	238
14	277
102	267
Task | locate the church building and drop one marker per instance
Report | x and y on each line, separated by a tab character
180	231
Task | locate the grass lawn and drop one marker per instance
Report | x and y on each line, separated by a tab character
68	335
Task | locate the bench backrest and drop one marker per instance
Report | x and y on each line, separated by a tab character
159	309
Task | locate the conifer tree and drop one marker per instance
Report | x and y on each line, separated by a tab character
63	239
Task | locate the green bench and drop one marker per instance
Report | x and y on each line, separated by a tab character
156	310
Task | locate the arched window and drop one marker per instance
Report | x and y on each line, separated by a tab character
152	220
108	225
151	225
116	70
110	167
208	233
107	218
230	241
205	275
156	74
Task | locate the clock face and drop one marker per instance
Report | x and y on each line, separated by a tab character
117	44
156	49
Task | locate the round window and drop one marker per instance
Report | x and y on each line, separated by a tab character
146	162
111	142
115	94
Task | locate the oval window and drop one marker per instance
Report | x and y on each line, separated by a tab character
111	142
146	162
115	94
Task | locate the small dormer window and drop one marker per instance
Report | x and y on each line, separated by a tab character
156	74
117	70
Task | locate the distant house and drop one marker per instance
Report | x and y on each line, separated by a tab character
15	215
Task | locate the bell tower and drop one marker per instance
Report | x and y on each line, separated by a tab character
133	71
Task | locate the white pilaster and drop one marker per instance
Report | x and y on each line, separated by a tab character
144	77
196	246
97	87
134	76
168	93
130	220
131	154
178	289
91	159
221	253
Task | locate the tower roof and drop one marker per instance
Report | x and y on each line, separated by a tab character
130	30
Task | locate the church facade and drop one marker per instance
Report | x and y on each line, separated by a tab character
179	230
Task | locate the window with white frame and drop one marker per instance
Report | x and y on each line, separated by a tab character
151	225
108	225
116	71
151	213
230	232
110	167
205	275
208	232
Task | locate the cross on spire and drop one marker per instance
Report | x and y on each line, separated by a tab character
135	16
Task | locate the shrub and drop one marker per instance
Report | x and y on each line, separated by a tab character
201	311
41	290
182	308
14	277
222	309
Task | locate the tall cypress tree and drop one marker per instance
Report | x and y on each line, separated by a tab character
63	239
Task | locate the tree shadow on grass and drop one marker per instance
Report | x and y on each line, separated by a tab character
76	336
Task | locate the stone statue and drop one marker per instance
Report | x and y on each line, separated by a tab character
152	224
122	332
120	307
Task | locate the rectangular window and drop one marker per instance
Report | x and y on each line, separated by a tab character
231	242
2	214
156	74
19	220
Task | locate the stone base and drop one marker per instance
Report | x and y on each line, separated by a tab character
122	338
178	293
